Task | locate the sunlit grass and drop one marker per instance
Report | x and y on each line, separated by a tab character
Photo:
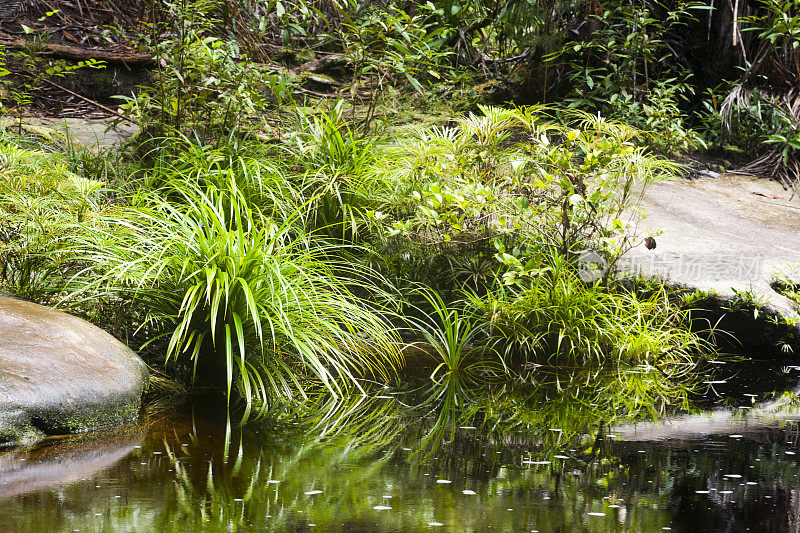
238	292
561	320
41	202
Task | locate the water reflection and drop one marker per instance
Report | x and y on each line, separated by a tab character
545	408
59	461
528	453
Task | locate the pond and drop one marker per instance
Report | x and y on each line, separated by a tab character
368	466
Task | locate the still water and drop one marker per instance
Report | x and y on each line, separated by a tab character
187	469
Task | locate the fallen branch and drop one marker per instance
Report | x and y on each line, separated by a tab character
314	93
128	59
324	64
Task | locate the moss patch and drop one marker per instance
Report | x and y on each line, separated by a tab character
23	429
790	290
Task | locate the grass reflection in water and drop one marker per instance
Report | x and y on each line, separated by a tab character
376	462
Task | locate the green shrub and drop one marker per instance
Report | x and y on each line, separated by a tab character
202	84
518	178
628	71
559	319
41	201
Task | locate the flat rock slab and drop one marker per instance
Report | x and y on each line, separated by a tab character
748	423
60	374
95	134
728	234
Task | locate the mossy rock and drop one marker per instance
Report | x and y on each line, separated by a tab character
59	374
293	57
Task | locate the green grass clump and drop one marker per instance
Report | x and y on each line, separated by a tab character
559	319
788	289
41	202
252	298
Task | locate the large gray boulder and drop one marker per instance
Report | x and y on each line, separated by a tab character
731	236
60	374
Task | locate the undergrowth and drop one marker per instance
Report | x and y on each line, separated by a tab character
269	267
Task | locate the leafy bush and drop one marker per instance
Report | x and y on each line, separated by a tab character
556	318
517	178
202	84
387	42
765	102
626	70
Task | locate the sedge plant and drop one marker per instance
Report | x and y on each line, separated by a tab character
246	299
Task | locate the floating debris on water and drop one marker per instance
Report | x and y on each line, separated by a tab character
381	507
443	481
468	492
310	492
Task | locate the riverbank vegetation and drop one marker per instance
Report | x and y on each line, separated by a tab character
282	223
262	265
